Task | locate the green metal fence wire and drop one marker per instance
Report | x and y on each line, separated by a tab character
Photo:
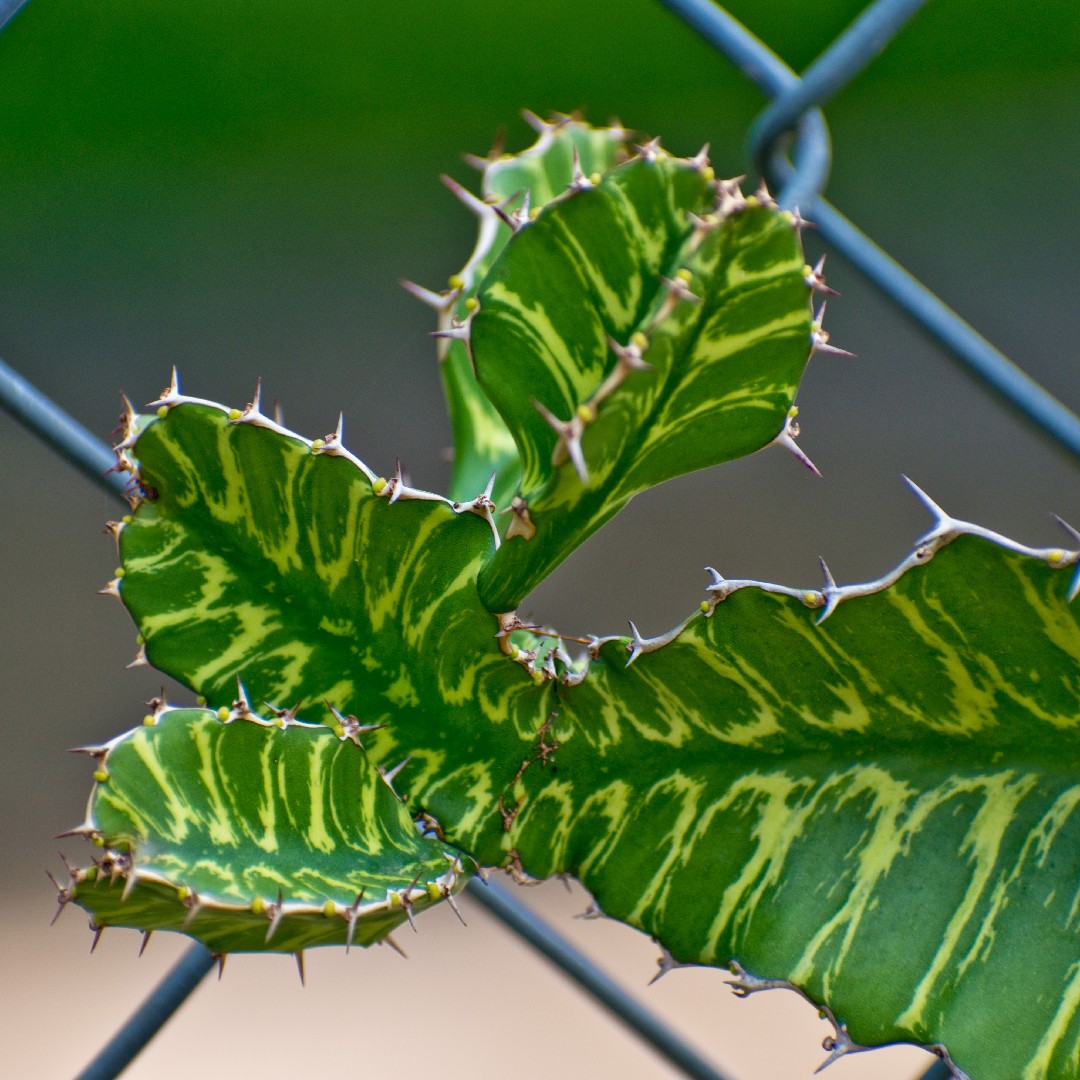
793	121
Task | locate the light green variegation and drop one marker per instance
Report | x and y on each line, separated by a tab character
512	186
254	837
869	793
631	333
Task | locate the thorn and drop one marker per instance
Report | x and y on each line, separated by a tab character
111	589
701	159
493	154
241	707
788	434
352	917
140	659
145	941
285	716
256	401
351	728
515	219
730	199
440	301
276	913
831	593
476	205
650	151
457	331
569	433
643	645
578	181
63	898
448	896
797	221
1074	585
130	881
815	278
764	196
665	962
535	122
220	958
299	954
945	527
838	1044
388	940
389	774
594	912
819	337
98	931
192	903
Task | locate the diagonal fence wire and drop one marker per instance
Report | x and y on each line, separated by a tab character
794	110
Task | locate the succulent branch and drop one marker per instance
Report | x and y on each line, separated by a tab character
864	792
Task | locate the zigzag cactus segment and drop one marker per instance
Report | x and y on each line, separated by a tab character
642	326
882	809
288	564
513	187
253	835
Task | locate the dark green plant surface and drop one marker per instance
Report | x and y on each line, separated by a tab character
876	808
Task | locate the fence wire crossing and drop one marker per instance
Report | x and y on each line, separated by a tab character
793	122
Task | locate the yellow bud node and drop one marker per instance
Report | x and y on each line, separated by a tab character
534	213
317	444
235	414
223	714
433	891
395	900
684	276
515	652
101	776
200	700
339	731
788	216
586	413
708	174
278	722
119	572
98	841
471	304
752	202
90	873
379	486
639	339
811	598
456	281
704	607
163	411
1055	556
329	909
258	906
595	178
148	721
127	519
184	893
793	412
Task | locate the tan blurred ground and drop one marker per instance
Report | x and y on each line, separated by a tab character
467	1003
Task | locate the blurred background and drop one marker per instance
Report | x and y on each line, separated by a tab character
237	188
